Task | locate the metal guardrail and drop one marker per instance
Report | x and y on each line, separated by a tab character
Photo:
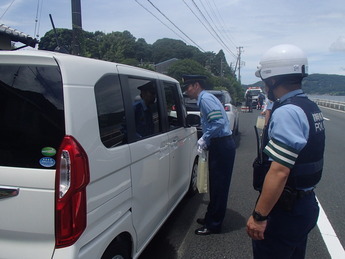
330	104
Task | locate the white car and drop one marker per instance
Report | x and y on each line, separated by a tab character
225	98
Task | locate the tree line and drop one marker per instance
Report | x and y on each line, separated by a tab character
123	47
318	84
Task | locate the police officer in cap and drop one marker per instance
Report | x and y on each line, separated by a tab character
286	209
217	138
142	110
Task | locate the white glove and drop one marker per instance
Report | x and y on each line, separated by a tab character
201	145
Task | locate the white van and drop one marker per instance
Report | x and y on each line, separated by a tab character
77	179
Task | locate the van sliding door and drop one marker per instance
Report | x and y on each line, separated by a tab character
149	154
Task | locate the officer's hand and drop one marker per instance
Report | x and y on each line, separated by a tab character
201	144
256	229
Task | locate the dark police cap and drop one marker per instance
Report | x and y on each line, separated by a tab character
147	87
190	79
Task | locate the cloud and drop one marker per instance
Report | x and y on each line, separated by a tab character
338	45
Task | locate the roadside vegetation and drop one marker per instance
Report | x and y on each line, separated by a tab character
123	47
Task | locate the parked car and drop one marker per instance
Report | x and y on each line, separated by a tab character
77	177
225	98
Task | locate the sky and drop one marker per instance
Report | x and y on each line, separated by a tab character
248	27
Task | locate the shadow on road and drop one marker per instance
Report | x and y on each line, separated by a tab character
174	230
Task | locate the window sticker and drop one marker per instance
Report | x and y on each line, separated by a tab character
47	162
48	151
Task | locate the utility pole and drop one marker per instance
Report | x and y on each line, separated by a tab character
76	26
239	63
221	67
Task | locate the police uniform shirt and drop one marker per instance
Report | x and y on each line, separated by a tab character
214	120
288	132
269	104
143	119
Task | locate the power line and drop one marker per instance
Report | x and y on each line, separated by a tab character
160	20
210	25
215	24
214	34
175	25
38	18
220	21
202	19
7	9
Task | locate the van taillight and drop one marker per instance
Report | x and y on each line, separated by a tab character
72	177
227	108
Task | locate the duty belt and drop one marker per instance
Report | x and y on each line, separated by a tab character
302	194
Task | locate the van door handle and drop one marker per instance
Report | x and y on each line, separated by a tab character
164	145
174	142
8	192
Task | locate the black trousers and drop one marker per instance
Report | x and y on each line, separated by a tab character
221	162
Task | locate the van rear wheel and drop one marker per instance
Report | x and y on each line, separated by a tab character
192	186
119	249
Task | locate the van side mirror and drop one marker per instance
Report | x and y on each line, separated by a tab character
193	120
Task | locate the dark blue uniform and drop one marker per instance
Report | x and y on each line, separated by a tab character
143	119
221	146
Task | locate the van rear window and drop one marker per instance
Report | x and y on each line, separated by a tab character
31	115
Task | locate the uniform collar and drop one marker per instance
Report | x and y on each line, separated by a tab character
199	96
143	104
291	94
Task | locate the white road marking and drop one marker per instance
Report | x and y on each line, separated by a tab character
330	238
326	119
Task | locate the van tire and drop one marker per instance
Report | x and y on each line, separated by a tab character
192	186
118	249
236	129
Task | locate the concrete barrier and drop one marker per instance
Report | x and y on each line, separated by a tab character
330	104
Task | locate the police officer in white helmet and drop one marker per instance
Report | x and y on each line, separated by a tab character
286	209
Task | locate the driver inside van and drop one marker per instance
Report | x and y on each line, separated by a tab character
142	110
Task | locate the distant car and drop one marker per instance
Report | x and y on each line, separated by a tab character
225	98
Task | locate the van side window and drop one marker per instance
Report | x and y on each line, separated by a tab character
110	110
173	100
145	105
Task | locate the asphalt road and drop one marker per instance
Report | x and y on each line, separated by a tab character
176	239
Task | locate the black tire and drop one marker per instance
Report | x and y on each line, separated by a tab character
119	249
236	129
192	186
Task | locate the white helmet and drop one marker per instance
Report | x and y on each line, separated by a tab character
283	59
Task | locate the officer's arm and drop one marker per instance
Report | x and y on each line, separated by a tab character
273	187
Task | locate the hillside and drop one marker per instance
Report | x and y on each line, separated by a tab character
318	84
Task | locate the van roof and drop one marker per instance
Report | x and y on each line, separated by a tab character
73	66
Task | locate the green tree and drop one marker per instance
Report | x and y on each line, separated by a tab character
165	49
143	51
231	85
92	44
64	36
185	67
219	66
117	46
